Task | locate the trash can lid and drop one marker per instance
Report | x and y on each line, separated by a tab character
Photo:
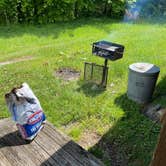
142	67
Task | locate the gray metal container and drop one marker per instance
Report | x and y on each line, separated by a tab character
141	82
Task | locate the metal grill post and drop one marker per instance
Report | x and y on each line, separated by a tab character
104	78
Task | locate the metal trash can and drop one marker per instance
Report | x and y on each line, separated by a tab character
141	81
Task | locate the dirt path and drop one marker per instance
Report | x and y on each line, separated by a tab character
22	59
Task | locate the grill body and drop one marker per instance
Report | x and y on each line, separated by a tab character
108	50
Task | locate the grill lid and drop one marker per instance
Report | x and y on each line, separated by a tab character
108	50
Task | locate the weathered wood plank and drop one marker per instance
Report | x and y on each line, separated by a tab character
34	152
50	148
72	148
3	160
12	146
56	151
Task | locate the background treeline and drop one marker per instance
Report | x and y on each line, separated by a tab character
49	11
154	8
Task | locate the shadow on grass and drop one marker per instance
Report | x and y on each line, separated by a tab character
148	21
58	28
90	89
160	91
55	29
131	141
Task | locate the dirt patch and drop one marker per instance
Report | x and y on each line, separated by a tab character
67	74
89	139
22	59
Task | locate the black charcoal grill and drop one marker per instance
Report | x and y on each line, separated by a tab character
108	51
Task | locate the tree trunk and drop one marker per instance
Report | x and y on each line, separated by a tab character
6	18
76	9
20	15
35	13
105	8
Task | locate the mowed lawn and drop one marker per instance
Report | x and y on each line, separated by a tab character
122	134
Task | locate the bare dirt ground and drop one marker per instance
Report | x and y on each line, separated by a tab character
67	74
89	139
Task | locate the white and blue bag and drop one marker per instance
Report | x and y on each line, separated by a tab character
26	111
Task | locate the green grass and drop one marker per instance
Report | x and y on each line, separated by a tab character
74	108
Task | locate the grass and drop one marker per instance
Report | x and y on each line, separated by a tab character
75	108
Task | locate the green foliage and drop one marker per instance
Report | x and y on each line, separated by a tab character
49	11
118	8
112	8
8	11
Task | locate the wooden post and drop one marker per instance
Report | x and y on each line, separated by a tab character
159	158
